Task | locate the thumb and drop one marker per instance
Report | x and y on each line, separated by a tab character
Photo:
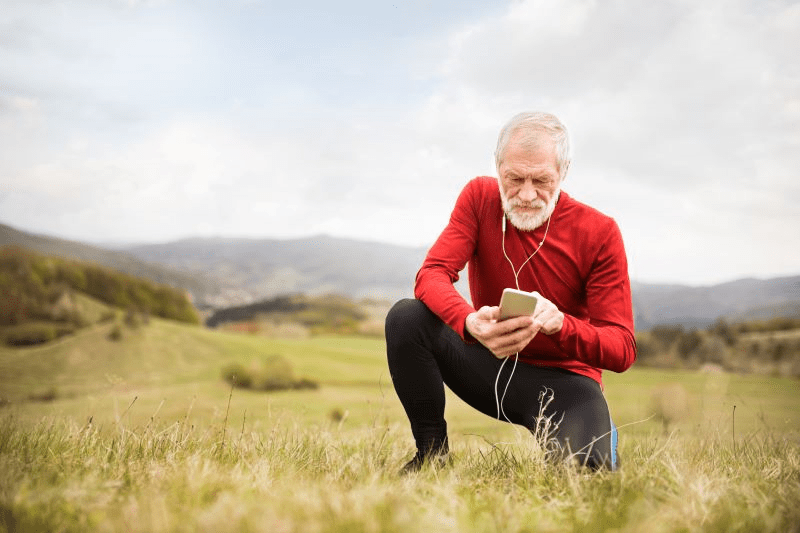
490	313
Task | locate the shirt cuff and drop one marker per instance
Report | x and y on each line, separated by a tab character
566	328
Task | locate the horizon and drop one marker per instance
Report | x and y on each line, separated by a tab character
124	247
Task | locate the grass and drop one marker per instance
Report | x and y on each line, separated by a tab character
144	435
290	478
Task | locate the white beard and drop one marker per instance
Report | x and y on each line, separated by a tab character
529	221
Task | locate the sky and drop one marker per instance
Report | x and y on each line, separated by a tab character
150	121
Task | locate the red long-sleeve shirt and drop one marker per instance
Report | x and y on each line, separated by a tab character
582	268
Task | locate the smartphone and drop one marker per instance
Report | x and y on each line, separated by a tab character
516	303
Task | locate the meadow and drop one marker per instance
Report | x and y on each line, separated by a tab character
143	434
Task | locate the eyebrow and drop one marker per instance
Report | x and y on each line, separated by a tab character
539	176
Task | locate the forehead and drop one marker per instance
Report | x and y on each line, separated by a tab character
530	154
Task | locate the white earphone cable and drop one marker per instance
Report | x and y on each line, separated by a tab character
497	399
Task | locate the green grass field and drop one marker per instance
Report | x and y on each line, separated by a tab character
143	435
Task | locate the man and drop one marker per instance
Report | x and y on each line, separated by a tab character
518	231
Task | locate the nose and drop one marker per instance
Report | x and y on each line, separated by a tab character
527	193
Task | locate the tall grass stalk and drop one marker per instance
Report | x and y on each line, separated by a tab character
57	476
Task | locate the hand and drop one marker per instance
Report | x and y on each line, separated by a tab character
546	317
503	338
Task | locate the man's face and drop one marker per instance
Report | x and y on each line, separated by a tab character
529	182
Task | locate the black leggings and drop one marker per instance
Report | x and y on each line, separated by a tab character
424	354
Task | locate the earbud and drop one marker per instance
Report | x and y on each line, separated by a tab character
504	225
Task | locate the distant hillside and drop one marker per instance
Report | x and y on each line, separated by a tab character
225	272
746	299
44	297
200	286
265	268
31	285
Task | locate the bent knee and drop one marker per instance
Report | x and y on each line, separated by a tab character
405	316
404	313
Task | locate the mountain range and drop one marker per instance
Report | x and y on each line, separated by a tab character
222	272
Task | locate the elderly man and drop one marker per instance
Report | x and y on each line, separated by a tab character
518	231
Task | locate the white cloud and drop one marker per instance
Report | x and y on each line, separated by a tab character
683	115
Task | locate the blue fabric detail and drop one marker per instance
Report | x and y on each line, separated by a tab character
613	446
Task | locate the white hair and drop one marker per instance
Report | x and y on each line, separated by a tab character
531	125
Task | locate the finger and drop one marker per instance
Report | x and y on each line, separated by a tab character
512	324
540	321
484	313
515	340
542	308
553	324
512	349
509	349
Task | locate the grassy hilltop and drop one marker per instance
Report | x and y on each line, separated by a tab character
143	434
44	297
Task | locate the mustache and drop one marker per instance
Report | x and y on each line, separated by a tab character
536	204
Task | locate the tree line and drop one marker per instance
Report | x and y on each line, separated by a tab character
31	284
327	313
767	346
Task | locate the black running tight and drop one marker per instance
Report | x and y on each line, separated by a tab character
425	354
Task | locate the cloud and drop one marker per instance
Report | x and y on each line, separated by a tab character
206	176
156	120
684	117
690	91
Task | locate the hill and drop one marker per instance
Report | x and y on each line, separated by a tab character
88	373
320	264
225	272
44	297
736	301
265	268
144	435
200	286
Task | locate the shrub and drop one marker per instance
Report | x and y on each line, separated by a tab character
713	350
30	335
132	318
271	373
305	383
688	342
670	404
116	333
666	335
45	396
337	414
108	315
646	347
723	330
33	333
238	376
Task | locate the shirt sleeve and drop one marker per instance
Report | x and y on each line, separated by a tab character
606	340
447	257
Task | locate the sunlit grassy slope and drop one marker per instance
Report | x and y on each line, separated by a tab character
177	367
144	435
